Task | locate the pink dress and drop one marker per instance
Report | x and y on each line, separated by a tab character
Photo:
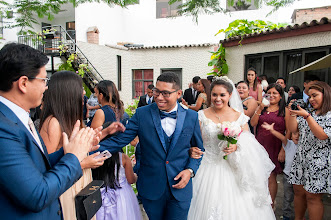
254	93
268	140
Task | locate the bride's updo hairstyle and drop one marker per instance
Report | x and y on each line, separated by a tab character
220	82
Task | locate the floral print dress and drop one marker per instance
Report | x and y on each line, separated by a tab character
312	163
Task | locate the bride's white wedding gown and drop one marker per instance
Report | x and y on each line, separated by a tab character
232	189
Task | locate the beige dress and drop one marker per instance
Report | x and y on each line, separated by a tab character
204	97
67	199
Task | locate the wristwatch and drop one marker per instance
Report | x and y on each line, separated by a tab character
192	172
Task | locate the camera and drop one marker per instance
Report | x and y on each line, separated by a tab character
299	102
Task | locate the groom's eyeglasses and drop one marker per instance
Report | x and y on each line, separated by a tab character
165	93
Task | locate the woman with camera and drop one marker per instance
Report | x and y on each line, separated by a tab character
272	112
311	168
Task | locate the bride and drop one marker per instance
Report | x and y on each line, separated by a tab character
237	187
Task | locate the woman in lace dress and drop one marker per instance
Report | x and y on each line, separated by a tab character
235	188
203	86
311	169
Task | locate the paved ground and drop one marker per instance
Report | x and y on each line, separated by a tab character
279	201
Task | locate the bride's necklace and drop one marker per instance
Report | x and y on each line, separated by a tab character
218	117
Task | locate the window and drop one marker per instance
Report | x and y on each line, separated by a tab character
178	71
141	79
240	5
119	72
280	64
164	10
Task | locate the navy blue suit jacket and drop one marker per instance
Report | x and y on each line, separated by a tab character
158	168
31	181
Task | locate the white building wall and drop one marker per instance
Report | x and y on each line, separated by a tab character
192	60
138	23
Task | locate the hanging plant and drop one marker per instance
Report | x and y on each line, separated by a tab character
218	61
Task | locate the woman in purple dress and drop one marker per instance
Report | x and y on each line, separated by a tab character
274	113
118	198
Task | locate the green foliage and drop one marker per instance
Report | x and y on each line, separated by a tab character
237	28
87	90
131	109
241	27
218	61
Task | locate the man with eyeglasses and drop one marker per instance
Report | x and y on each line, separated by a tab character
32	180
166	132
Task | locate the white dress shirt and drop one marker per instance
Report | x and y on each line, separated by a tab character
169	124
20	113
305	96
149	98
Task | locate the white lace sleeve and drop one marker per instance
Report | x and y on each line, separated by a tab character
201	116
252	166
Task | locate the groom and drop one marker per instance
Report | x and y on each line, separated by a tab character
166	132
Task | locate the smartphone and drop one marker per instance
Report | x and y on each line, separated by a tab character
105	154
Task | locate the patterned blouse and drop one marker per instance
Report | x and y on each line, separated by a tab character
312	163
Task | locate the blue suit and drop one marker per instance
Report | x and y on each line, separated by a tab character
158	168
31	181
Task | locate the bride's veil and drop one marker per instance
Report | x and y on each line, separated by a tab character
235	100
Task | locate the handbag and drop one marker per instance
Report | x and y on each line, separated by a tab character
88	201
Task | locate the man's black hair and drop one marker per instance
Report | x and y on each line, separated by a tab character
18	60
196	79
170	77
150	86
282	79
310	78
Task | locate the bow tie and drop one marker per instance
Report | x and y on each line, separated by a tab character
170	115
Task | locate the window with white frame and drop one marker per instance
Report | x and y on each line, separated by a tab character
164	10
141	78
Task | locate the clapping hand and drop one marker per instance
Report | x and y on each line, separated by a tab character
184	102
80	141
267	126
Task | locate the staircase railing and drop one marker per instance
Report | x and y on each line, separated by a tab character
55	40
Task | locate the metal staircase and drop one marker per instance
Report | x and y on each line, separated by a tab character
56	42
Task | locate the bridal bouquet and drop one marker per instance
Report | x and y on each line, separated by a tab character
229	132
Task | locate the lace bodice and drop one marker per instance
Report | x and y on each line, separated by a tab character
209	130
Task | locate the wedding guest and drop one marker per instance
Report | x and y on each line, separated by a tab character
112	107
118	198
92	105
191	94
56	118
148	98
292	90
202	102
290	147
31	179
306	84
249	103
282	82
255	88
272	113
311	169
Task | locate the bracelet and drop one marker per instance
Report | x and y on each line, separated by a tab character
306	116
257	113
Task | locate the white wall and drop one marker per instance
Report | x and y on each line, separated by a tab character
138	23
192	60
